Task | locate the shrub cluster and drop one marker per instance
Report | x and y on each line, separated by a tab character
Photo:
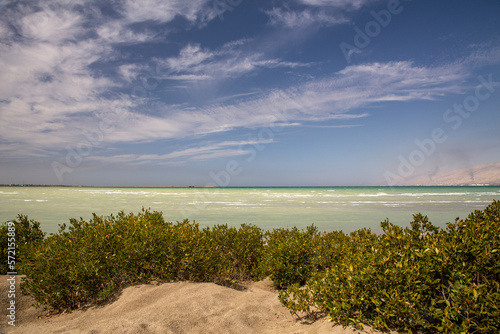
414	279
288	255
420	278
23	234
90	261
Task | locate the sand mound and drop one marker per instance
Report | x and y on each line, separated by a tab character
171	308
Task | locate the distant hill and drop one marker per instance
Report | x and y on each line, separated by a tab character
472	176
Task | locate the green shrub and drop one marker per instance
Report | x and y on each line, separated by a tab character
420	278
24	234
469	265
88	262
413	279
288	255
236	252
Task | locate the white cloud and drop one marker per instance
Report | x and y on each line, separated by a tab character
188	77
196	63
304	18
48	86
343	4
189	58
199	153
130	72
166	10
483	54
118	32
50	26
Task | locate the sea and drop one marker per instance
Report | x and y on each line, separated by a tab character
329	208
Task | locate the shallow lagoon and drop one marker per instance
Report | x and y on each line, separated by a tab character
329	208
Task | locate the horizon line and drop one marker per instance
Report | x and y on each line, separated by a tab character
258	186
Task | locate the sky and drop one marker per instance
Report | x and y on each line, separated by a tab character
246	93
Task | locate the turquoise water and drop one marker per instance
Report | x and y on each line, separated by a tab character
332	208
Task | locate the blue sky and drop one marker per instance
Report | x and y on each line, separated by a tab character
246	93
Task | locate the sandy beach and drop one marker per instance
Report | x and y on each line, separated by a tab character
181	307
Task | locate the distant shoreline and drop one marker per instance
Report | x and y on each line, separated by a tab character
236	187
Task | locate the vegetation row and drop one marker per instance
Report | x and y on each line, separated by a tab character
421	278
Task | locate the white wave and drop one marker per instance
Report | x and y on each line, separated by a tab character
478	201
287	195
208	191
147	193
379	194
114	192
199	202
373	195
216	202
369	202
171	194
448	194
247	204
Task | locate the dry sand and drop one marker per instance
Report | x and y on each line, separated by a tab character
171	308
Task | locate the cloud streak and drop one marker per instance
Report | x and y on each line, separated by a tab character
303	18
196	63
199	153
349	5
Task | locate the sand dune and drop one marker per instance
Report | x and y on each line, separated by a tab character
172	308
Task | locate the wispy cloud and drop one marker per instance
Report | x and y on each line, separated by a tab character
294	19
161	11
333	126
116	32
197	63
342	4
331	98
199	153
50	86
483	54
